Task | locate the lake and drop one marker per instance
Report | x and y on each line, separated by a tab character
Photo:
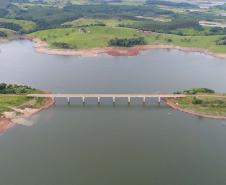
106	144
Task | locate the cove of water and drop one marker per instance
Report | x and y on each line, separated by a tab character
124	145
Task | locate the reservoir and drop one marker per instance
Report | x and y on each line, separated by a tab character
106	144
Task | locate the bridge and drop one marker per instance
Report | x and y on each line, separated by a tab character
112	96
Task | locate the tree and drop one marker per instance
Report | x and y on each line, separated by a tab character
3	86
127	42
196	101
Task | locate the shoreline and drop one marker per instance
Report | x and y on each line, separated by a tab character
10	119
43	47
178	108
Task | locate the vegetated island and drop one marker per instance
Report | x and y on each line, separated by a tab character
15	105
201	102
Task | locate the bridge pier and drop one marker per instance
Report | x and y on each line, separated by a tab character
83	100
129	100
144	100
113	99
68	101
98	100
159	100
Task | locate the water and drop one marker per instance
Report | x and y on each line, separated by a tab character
99	145
152	71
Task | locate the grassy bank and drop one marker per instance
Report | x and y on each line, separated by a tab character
14	96
211	106
99	36
201	103
9	102
205	42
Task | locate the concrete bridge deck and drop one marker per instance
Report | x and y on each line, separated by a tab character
113	96
107	95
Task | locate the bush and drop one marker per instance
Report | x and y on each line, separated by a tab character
185	40
196	101
11	26
199	90
15	89
221	41
2	86
169	40
3	34
196	91
62	45
127	42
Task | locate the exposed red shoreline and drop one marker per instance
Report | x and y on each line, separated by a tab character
177	107
5	124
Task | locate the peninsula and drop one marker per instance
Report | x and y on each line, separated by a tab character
101	39
201	102
16	105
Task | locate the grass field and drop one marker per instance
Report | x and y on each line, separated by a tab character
208	105
6	102
205	42
91	38
99	37
191	32
14	96
26	26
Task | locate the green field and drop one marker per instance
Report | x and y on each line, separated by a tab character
93	37
191	32
213	106
8	102
14	96
99	37
205	42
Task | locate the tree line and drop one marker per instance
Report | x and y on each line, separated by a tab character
15	89
3	34
164	27
127	42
